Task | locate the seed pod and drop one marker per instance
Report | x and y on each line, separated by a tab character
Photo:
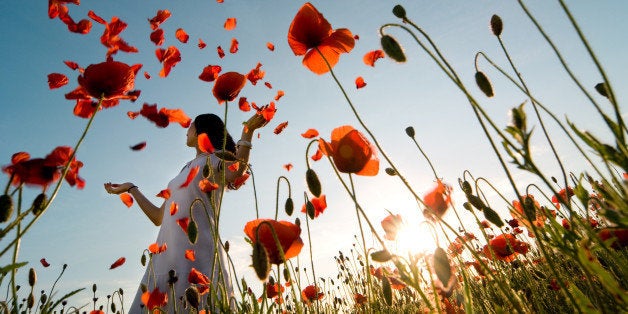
381	256
143	259
410	131
6	207
43	299
399	11
601	88
310	210
313	184
38	203
492	216
496	25
32	277
441	266
289	206
260	261
392	48
192	231
193	296
390	171
484	84
227	246
113	307
387	290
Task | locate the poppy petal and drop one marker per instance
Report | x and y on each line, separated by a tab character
165	193
280	127
359	82
181	35
230	23
270	46
174	208
372	56
127	199
138	146
44	262
310	133
190	177
56	80
190	255
118	263
204	144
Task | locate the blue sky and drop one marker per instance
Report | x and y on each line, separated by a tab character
89	229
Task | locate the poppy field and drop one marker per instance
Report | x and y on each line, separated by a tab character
548	235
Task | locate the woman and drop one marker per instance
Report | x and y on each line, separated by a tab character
186	197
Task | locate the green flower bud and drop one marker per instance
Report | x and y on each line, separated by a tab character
476	201
410	131
192	231
310	210
6	207
466	187
143	259
94	288
32	277
392	48
39	203
399	11
286	274
30	301
484	84
193	296
387	290
381	256
496	25
441	266
313	184
390	171
289	206
143	288
467	206
492	216
601	88
227	246
113	307
297	222
261	264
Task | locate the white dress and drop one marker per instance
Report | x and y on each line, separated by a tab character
172	234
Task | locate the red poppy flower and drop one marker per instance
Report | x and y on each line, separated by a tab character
157	37
200	279
243	104
566	224
309	32
505	247
111	80
230	23
190	177
318	155
111	36
154	299
44	262
311	293
274	290
396	283
438	200
372	56
563	196
207	186
155	248
44	171
169	58
519	214
138	146
619	237
165	193
210	73
239	181
181	35
174	208
56	80
351	151
289	236
320	204
221	53
280	127
160	17
255	74
310	133
280	94
118	263
190	255
228	86
359	82
270	46
201	44
392	224
234	45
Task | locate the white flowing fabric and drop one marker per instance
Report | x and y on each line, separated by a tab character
172	234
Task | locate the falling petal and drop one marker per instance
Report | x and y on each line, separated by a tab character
201	44
310	133
230	23
372	56
234	45
270	46
157	37
165	193
138	146
210	73
280	127
243	104
280	94
318	155
190	177
127	199
147	75
288	167
359	82
204	144
56	80
190	255
44	262
270	86
118	263
181	35
174	208
221	53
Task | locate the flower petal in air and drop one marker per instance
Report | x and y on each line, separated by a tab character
280	127
318	155
44	262
155	248
310	133
372	56
288	167
359	82
138	146
174	208
183	223
230	23
169	58
204	144
118	263
201	44
255	74
270	46
243	104
221	52
193	172
72	65
181	35
127	199
157	37
207	186
165	193
162	16
234	45
210	73
190	255
56	80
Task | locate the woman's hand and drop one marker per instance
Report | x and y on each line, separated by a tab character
255	122
113	188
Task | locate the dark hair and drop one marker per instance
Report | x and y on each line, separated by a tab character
213	126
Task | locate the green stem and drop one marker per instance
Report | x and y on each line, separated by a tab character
277	194
366	259
16	250
309	240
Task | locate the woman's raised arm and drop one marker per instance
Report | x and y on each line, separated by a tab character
154	213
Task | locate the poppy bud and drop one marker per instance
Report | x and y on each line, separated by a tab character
297	222
94	288
143	259
381	256
143	288
392	48
601	88
6	207
226	156
390	171
410	131
38	203
31	301
289	207
227	246
387	290
193	296
528	208
120	291
313	184
484	84
518	117
192	231
113	307
32	277
467	206
476	201
441	266
286	274
271	281
172	277
466	187
399	11
310	210
496	25
260	261
492	216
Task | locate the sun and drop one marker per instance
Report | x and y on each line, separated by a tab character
415	237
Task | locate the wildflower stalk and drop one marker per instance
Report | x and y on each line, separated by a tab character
368	272
277	194
16	250
309	240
